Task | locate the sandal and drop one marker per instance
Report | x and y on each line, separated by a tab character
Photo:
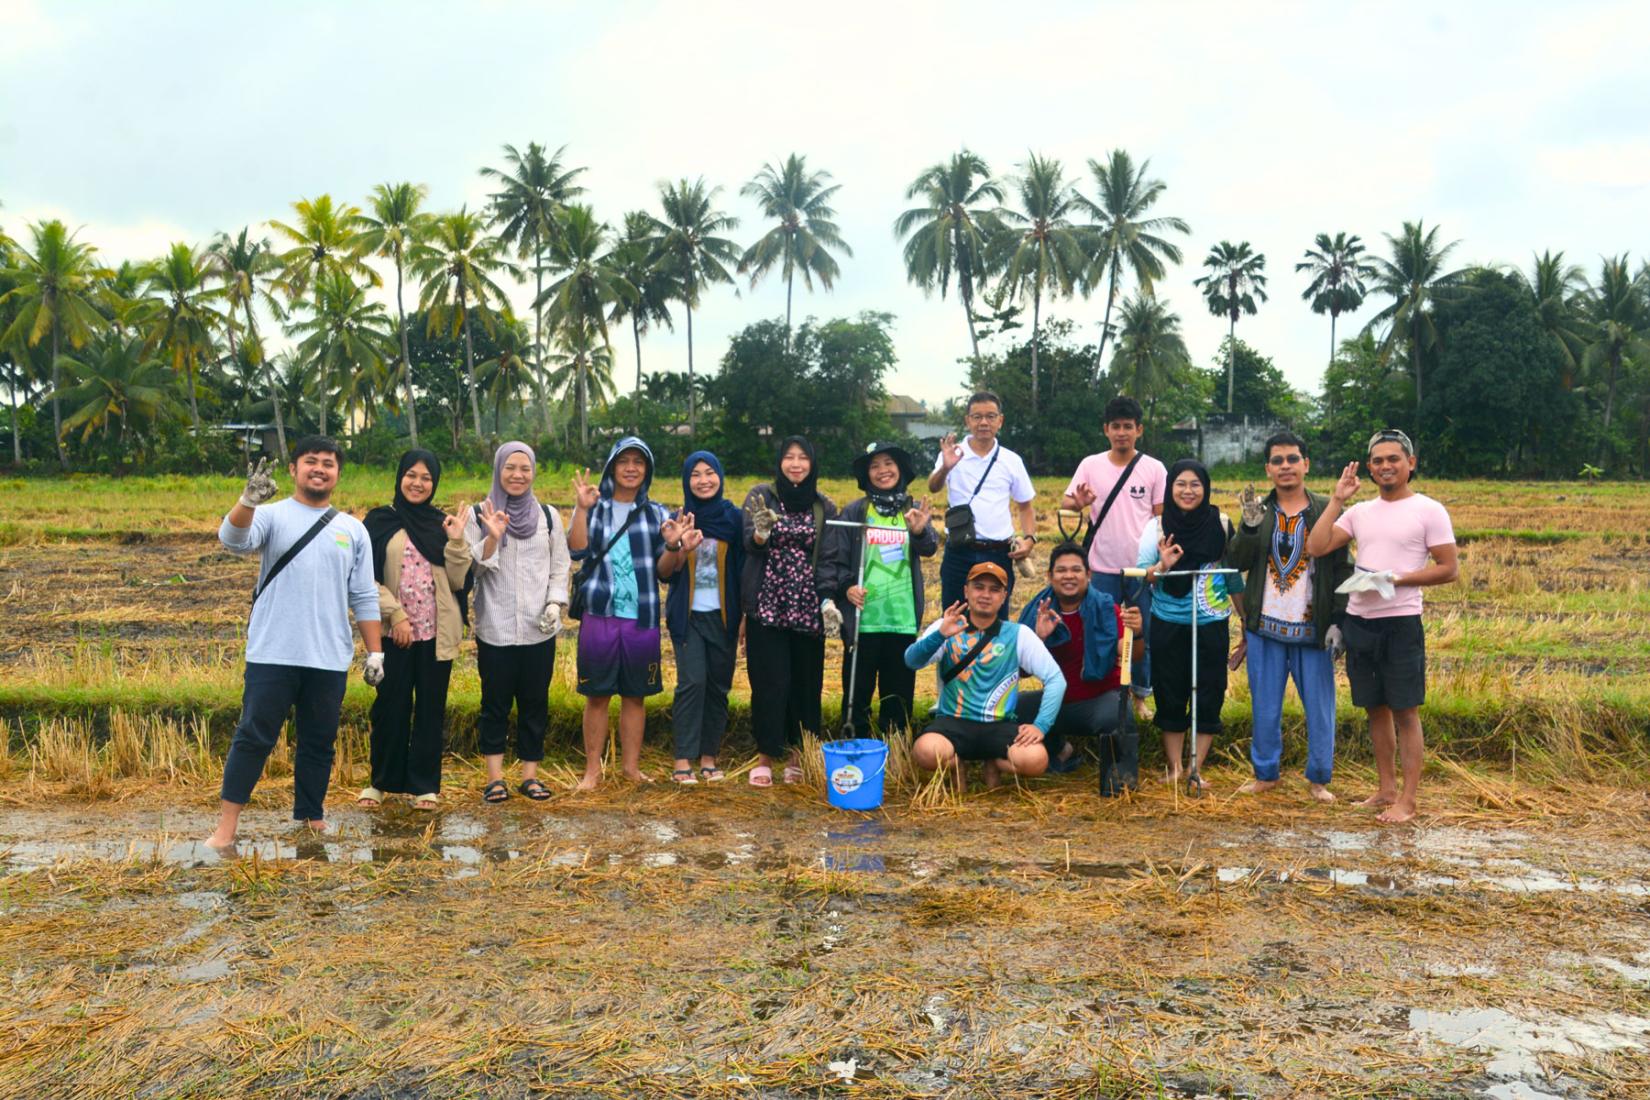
712	775
793	774
426	802
534	790
684	776
761	776
370	798
495	792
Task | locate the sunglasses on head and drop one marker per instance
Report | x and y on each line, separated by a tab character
1391	435
1285	460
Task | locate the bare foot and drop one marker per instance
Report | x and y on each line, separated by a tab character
1171	778
1377	800
318	826
993	777
1400	812
1141	712
1257	786
1321	793
220	843
638	777
589	782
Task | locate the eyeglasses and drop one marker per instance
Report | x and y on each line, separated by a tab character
983	418
1284	460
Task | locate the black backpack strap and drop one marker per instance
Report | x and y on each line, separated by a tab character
623	527
1094	527
291	552
986	637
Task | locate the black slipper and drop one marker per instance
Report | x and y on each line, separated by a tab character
496	791
533	789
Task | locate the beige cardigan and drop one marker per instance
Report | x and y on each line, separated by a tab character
449	628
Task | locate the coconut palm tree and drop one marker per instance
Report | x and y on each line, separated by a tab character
1617	311
346	336
533	189
183	329
1339	276
1044	253
53	289
1558	290
652	283
122	297
1149	346
582	371
588	286
1124	235
1236	278
456	263
118	381
1413	278
804	233
951	233
395	223
247	268
324	239
687	241
509	371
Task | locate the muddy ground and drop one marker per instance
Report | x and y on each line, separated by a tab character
721	941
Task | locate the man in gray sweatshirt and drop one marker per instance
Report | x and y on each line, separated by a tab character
299	645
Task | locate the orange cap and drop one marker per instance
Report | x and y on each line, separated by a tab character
989	569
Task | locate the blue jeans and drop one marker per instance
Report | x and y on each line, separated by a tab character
1271	664
1130	590
317	695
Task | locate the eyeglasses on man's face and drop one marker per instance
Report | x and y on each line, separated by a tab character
983	418
1285	460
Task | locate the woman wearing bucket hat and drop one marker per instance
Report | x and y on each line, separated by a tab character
874	572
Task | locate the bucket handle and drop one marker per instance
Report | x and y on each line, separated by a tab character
882	767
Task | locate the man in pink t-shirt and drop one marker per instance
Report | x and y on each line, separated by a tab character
1117	539
1404	543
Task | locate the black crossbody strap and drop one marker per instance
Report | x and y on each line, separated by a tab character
1094	528
292	552
623	527
987	473
986	636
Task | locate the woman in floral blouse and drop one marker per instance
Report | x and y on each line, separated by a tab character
788	610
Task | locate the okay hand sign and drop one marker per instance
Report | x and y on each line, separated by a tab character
1169	552
493	520
1047	619
453	525
954	620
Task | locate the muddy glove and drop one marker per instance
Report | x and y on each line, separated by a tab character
762	521
550	619
373	671
1371	580
260	486
832	617
1334	643
1253	509
1025	568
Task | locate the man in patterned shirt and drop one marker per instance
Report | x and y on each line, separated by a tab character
1293	628
981	660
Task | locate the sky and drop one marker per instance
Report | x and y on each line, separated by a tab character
1516	127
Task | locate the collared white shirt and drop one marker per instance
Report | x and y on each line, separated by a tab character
516	583
1008	481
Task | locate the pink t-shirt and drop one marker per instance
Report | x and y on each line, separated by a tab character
1117	543
1394	535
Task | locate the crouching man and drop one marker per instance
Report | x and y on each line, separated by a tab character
981	660
1080	625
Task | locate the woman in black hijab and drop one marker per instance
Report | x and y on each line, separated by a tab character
420	559
1191	534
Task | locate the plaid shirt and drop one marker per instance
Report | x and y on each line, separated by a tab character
646	543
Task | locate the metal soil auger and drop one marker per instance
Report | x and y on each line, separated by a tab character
874	535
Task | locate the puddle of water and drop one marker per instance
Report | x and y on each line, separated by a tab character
874	864
1639	974
456	827
1514	1043
665	832
203	901
660	859
861	833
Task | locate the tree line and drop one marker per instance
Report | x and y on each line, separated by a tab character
111	366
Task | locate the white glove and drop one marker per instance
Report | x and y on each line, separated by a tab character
550	619
373	671
762	520
1383	581
832	617
1334	643
260	486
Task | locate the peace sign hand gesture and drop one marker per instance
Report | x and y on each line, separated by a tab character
953	621
260	484
453	525
1347	487
918	517
585	495
493	520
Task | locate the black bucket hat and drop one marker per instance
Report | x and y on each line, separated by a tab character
902	459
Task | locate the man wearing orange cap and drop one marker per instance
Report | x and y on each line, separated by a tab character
981	660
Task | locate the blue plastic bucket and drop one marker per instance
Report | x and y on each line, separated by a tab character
853	772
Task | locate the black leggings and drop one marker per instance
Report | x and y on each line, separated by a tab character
882	670
787	674
409	719
1172	674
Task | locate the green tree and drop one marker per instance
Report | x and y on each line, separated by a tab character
653	285
324	239
53	284
687	240
1124	235
1151	350
117	383
1071	405
1044	251
1362	393
804	233
1262	391
583	371
534	188
246	267
1413	278
1619	316
456	263
347	337
1339	277
182	279
1557	289
507	372
950	234
588	287
1236	278
394	225
122	297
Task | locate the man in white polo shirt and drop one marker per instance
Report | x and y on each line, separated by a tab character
1386	656
981	479
1121	490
